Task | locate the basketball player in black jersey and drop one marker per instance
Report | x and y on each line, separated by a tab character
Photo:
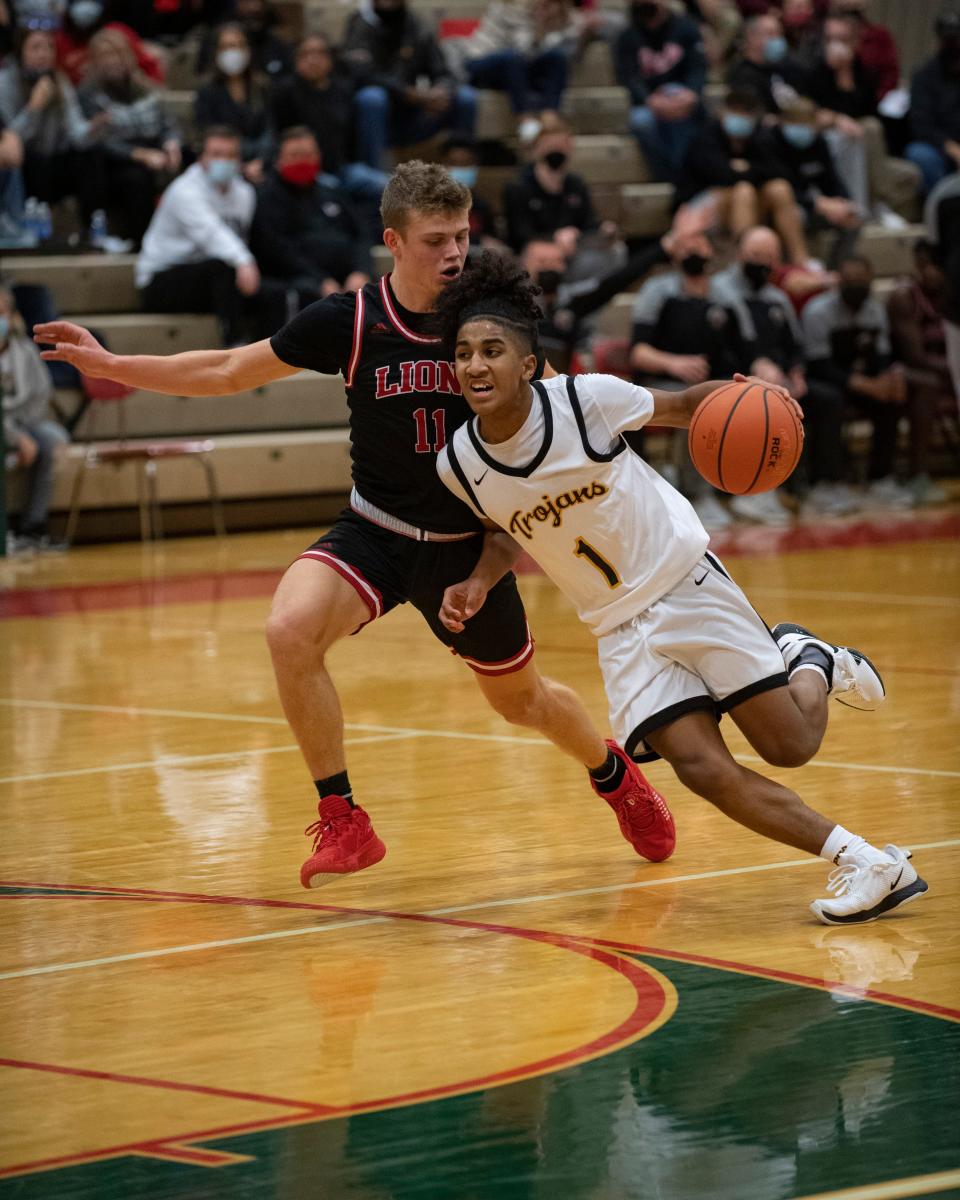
405	537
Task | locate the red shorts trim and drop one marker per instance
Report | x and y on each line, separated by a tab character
507	666
364	589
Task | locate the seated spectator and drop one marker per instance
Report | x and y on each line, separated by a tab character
406	92
29	432
941	215
659	59
806	163
848	352
317	96
776	348
11	188
673	314
719	22
521	47
731	162
765	65
195	256
39	104
876	49
935	106
82	21
236	96
549	201
801	28
305	236
271	55
141	143
461	156
917	310
844	92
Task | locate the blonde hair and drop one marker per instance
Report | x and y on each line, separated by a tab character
419	187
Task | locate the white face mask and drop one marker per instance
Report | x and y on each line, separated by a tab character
837	53
233	61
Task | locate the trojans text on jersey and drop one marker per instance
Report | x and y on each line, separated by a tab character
419	375
552	508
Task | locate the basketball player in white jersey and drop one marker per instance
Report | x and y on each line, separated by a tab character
679	643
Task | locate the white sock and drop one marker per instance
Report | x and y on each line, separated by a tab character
811	667
842	841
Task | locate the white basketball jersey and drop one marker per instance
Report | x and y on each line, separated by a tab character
612	534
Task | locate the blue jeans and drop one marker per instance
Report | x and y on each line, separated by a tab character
381	122
49	437
664	143
12	195
529	83
933	163
362	181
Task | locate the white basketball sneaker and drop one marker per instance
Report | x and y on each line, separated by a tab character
866	890
852	678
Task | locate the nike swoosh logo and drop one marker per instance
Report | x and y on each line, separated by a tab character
702	578
477	482
896	881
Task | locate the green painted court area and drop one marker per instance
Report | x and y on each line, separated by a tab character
753	1090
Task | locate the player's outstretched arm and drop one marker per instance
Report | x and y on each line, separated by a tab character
193	373
676	409
462	600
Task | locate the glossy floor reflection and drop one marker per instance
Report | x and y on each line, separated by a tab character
511	1004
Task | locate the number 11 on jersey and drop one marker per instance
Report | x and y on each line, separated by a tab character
423	445
583	549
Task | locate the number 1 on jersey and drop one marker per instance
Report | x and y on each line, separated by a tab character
583	549
423	434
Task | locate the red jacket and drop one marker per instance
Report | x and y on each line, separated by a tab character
878	53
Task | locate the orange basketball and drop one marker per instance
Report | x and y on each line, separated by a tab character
745	438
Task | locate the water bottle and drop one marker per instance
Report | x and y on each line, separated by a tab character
44	222
98	228
31	219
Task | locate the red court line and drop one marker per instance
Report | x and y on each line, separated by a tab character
210	587
922	1006
649	1004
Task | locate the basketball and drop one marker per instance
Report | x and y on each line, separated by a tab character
745	438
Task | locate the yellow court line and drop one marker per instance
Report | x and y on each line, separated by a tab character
478	906
916	1185
452	734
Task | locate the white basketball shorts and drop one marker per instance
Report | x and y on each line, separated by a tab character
702	646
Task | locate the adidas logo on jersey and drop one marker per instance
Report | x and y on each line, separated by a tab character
522	522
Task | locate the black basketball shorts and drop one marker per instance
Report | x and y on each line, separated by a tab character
387	569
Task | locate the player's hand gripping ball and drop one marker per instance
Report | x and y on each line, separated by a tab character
746	437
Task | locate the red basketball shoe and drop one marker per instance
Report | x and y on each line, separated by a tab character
343	842
645	820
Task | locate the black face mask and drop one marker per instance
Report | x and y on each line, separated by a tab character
555	159
549	282
643	13
854	295
392	17
694	264
757	274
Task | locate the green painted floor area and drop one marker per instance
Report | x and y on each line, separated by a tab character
754	1090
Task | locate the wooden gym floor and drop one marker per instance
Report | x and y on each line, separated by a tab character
511	1005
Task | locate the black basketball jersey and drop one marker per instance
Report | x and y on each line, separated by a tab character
403	396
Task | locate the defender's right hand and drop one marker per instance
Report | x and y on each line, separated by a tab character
75	345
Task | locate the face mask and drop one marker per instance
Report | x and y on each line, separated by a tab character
642	13
837	54
300	174
693	264
391	16
222	171
234	61
797	20
854	295
86	13
757	274
801	136
774	49
4	328
555	159
737	125
549	281
465	175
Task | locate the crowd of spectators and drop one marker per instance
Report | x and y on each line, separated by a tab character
274	202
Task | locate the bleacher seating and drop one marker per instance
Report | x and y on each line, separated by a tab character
290	438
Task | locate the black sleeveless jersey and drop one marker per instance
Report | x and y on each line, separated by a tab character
404	399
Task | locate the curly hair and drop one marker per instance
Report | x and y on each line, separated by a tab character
497	288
